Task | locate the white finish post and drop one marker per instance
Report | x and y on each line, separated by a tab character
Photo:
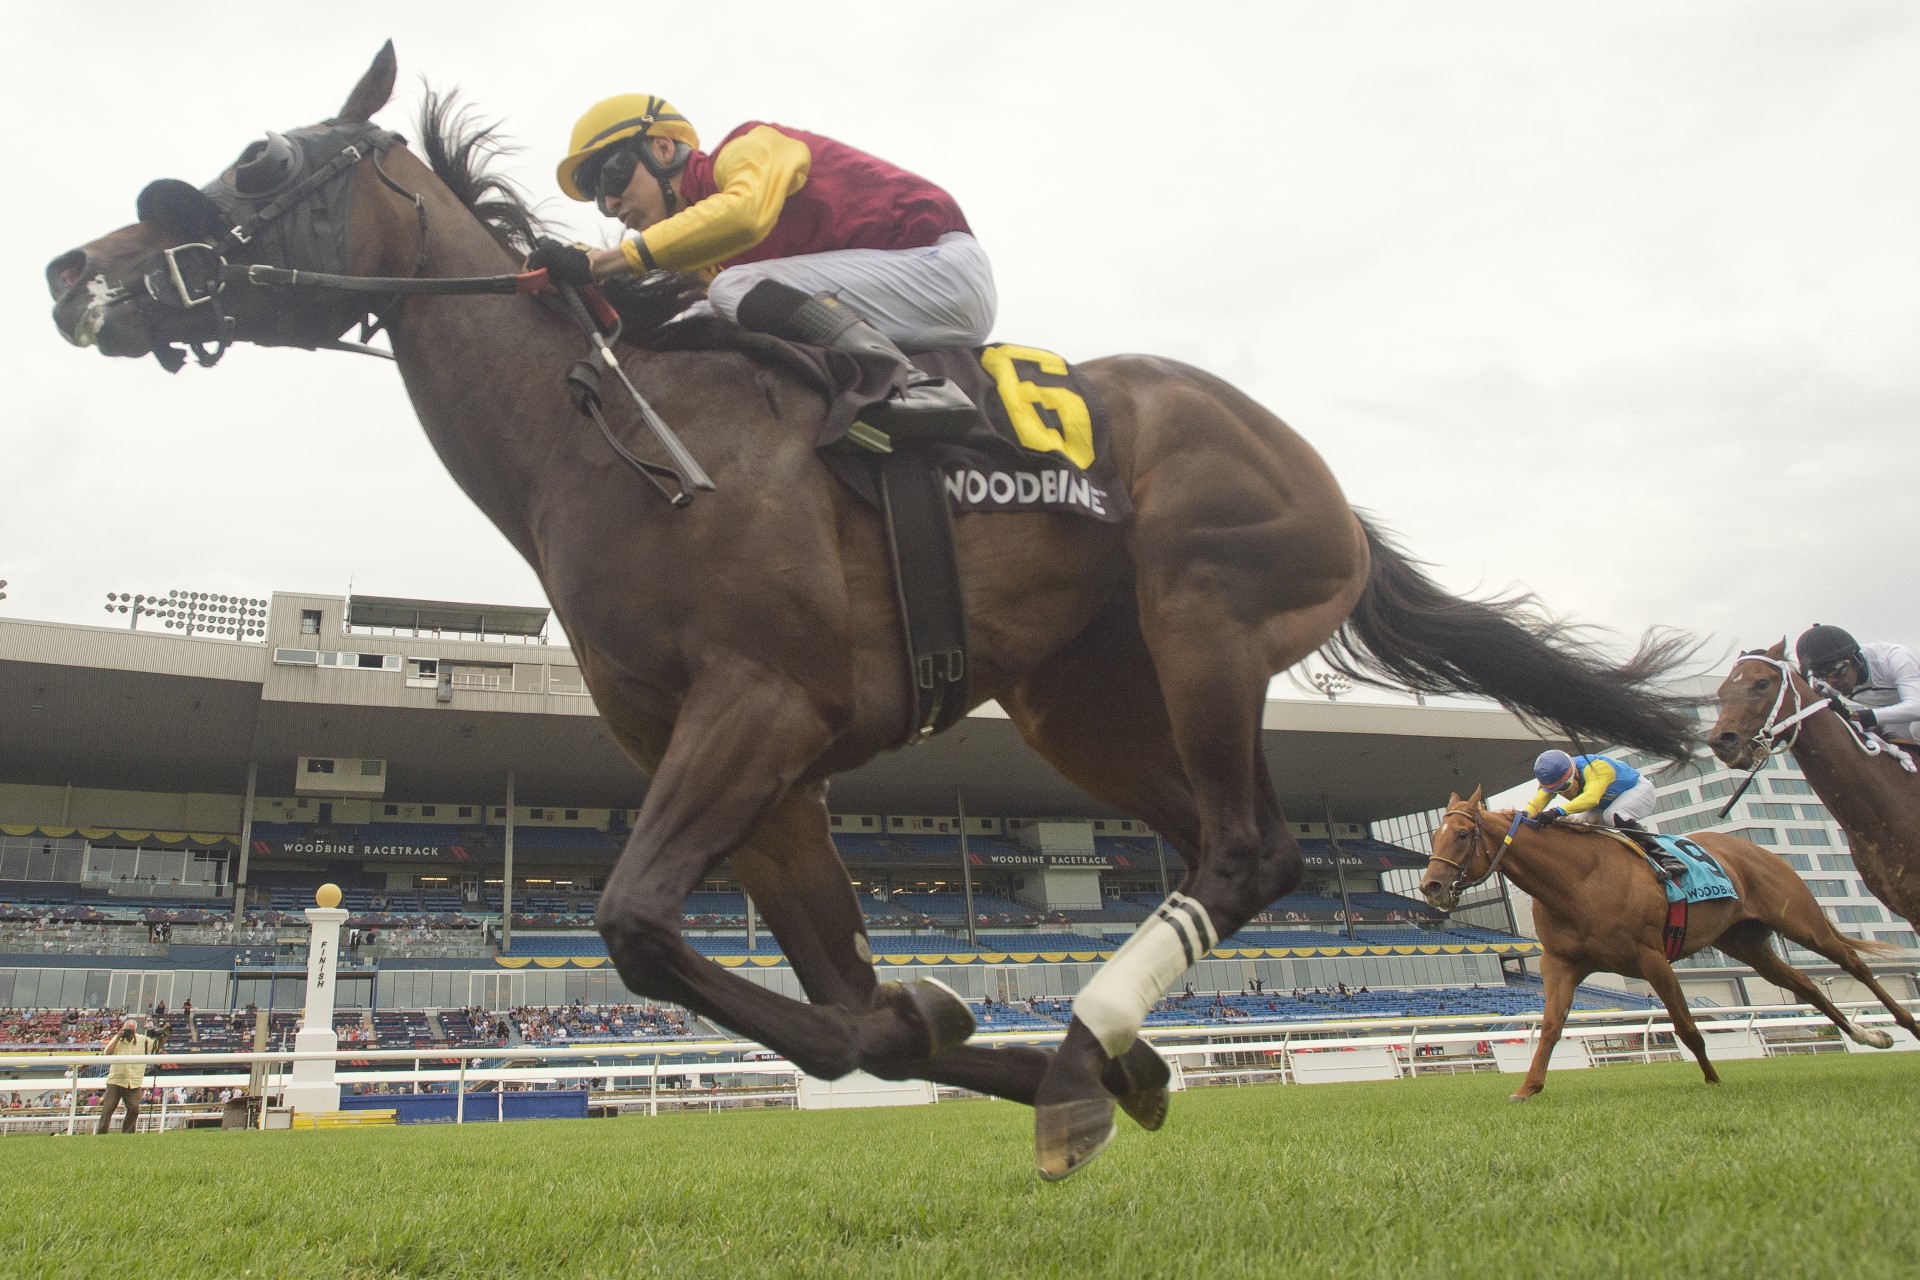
312	1086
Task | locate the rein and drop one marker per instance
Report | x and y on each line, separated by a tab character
181	280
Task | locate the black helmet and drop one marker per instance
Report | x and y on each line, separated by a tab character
1820	646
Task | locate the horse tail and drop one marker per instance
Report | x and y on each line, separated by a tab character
1408	632
1870	947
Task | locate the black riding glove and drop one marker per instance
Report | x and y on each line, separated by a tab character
564	263
1865	718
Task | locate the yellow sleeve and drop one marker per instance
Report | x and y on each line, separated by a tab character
755	173
1599	776
1539	802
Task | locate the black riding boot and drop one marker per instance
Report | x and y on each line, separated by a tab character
919	405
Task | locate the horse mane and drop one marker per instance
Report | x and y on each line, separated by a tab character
460	151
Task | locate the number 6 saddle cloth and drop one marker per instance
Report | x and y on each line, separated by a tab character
1042	442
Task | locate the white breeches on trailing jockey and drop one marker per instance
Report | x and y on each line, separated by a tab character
1635	802
923	299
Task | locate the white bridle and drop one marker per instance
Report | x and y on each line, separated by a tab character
1776	734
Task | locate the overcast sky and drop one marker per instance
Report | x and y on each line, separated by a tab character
1618	301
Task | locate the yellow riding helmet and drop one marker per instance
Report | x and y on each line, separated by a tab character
614	120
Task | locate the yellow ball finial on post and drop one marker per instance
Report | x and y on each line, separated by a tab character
327	895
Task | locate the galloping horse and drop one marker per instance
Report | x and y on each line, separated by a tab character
745	647
1599	908
1766	706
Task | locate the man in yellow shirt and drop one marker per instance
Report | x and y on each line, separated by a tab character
799	236
124	1079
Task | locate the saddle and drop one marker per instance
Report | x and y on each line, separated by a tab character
1040	443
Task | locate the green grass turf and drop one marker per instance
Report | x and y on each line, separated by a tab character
1793	1167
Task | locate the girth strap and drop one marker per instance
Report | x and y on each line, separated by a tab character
926	574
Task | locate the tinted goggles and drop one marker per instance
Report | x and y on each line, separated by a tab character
613	174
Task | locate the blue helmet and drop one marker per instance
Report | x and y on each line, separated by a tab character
1553	769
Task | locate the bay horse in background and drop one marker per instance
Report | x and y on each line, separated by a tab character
1599	908
746	648
1767	706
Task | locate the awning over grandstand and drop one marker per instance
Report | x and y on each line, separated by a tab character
442	615
121	837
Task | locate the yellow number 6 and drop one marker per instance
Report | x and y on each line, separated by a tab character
1024	400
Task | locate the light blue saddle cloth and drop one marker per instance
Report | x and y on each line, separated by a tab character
1704	881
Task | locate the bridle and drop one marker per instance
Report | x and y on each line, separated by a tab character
306	220
1478	843
1779	734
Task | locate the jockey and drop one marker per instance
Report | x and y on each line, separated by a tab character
799	236
1592	789
1883	678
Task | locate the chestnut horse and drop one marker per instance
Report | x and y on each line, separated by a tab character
1599	908
1870	794
745	648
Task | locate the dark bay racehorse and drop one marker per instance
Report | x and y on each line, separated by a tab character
746	648
1599	908
1766	706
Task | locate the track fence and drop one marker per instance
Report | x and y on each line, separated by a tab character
656	1077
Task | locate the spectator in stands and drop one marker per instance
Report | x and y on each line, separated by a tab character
124	1079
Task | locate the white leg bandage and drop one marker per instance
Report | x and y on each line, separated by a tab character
1114	1005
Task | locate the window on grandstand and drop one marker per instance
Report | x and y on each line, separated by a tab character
1836	862
371	768
1857	915
1760	809
296	657
428	810
566	680
1828	888
1798	861
1860	889
1898	937
319	766
309	622
1807	835
1814	813
1674	800
1692	822
1719	787
423	673
1790	786
35	857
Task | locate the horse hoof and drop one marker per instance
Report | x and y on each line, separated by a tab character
1066	1135
1519	1097
1877	1038
1138	1080
941	1013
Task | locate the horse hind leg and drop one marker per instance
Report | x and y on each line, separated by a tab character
1750	944
1094	711
1176	741
1803	922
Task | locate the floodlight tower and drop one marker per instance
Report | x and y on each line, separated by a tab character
198	612
137	606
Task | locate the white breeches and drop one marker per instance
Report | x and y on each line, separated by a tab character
923	299
1635	802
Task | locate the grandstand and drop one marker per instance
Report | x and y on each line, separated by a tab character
169	805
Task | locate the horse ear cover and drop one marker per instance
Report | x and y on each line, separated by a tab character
181	208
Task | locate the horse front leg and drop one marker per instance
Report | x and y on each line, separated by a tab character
742	739
1560	980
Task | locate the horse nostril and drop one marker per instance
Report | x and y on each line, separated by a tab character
1723	739
66	271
